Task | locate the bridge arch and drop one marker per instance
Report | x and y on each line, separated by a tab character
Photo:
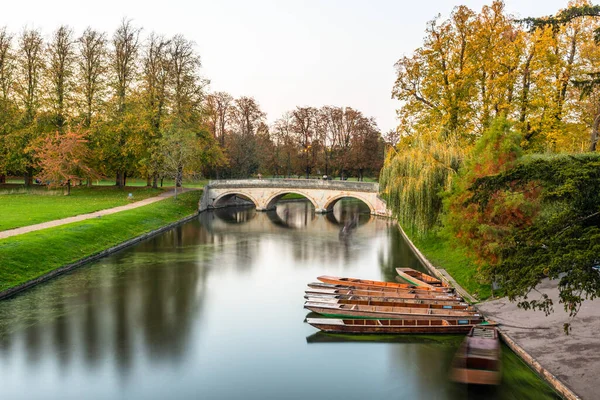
272	201
331	202
225	197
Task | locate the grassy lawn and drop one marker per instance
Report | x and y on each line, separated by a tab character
134	182
167	183
22	207
28	256
442	253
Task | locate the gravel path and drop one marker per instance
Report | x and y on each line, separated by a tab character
83	217
573	358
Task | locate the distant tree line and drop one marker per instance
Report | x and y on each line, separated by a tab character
307	141
124	105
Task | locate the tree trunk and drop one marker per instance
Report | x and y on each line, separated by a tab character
124	179
88	182
148	181
118	179
68	187
28	178
2	178
154	181
594	136
161	181
179	177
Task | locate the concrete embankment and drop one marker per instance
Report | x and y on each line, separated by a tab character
571	363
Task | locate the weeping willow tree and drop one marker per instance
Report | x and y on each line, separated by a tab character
414	176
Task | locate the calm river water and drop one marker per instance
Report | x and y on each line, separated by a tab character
213	310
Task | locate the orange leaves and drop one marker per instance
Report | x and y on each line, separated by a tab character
483	228
63	157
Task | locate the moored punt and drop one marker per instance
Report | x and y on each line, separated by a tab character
389	301
418	278
477	360
325	288
388	312
366	283
393	326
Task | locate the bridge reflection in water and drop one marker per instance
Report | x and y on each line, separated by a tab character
213	309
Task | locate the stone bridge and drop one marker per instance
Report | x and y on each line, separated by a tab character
265	193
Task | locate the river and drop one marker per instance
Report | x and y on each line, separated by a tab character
213	309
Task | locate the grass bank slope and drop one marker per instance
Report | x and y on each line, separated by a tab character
28	207
31	255
442	253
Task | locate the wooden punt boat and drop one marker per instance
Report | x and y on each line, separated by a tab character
366	283
419	279
322	288
389	301
477	360
393	326
387	312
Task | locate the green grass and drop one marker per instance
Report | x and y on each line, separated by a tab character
444	254
22	207
31	255
167	183
293	196
137	182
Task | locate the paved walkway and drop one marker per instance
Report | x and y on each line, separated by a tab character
82	217
575	358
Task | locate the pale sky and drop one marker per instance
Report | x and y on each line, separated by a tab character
283	53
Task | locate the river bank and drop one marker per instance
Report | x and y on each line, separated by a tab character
564	362
34	257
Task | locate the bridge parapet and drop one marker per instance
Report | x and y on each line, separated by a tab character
265	193
296	184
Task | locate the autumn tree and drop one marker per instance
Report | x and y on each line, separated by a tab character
242	148
367	148
63	158
329	134
155	83
482	229
92	67
60	72
30	65
589	35
124	67
303	123
187	84
473	68
285	144
185	152
8	107
218	107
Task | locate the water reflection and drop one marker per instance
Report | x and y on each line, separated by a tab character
126	301
293	215
213	309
